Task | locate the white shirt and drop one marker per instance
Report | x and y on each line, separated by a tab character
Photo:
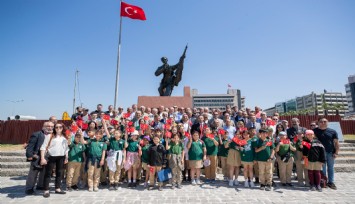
230	131
58	146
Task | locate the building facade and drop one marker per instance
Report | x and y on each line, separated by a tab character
327	103
350	93
218	101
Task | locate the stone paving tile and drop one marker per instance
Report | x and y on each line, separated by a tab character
12	191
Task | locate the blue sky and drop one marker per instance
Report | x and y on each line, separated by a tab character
272	50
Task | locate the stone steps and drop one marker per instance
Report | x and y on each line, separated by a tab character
16	165
343	144
346	154
12	159
21	153
344	167
14	172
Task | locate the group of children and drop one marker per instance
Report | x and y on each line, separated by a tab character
96	154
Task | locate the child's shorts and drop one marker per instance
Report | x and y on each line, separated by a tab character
145	166
233	158
251	164
196	164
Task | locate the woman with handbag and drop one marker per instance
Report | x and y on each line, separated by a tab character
54	151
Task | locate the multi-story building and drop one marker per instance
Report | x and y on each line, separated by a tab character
330	103
218	101
350	94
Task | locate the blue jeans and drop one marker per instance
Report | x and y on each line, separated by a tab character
329	165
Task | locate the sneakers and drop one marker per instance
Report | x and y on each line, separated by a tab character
112	187
246	184
230	183
213	181
312	188
69	189
145	184
30	192
96	189
116	186
256	180
284	184
207	181
75	188
236	182
198	182
262	187
160	188
289	184
173	186
90	189
179	186
225	178
193	182
267	188
319	188
150	188
332	186
252	184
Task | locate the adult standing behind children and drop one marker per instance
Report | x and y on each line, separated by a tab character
329	138
33	155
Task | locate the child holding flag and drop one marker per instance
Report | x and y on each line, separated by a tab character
315	152
284	150
223	152
233	159
264	150
211	143
247	157
197	153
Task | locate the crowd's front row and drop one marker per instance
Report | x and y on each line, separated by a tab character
94	154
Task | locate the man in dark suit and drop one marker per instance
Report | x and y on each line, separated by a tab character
33	156
199	126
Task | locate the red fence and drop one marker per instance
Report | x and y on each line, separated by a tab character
18	132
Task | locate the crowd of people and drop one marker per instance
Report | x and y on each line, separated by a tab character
113	147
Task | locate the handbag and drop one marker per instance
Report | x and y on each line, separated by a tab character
164	175
37	162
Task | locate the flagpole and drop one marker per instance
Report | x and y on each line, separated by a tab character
118	62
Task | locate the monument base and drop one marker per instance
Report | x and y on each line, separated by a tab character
167	101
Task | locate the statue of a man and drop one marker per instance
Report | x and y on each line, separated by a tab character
171	75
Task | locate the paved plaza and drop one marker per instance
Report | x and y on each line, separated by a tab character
12	191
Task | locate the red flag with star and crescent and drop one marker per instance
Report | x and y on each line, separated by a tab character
133	12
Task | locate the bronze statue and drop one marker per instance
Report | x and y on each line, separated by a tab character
172	75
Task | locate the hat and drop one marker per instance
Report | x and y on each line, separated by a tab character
282	133
146	137
309	132
135	133
270	129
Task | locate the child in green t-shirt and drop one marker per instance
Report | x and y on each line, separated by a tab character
211	143
197	154
223	153
96	159
145	158
176	159
264	149
132	160
76	156
248	158
115	158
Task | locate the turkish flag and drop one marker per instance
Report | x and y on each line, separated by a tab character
144	126
85	126
146	118
187	134
269	144
168	134
131	129
221	131
106	117
211	136
306	144
133	12
285	141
